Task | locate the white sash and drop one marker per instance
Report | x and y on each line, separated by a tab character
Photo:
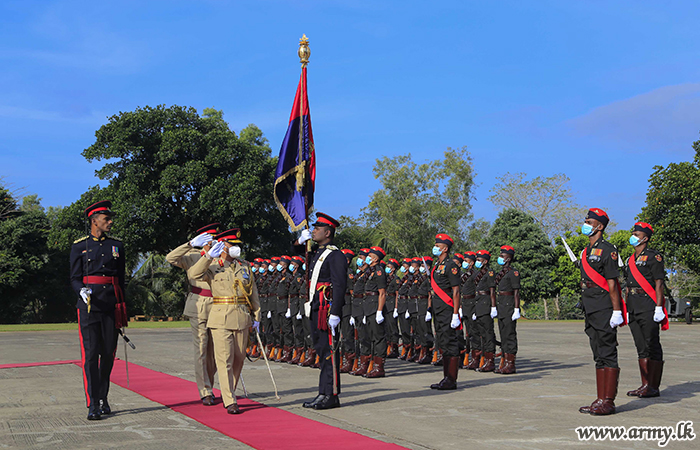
314	278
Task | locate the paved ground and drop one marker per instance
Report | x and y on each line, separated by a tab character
43	407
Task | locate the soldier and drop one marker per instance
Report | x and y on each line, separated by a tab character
310	357
602	304
468	304
645	303
197	307
262	282
401	310
283	313
358	315
421	301
258	272
484	312
347	330
445	282
97	277
295	311
374	310
393	283
508	306
328	269
274	334
235	308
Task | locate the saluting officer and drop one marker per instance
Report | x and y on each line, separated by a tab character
197	307
235	308
508	305
97	277
645	303
374	302
484	312
445	281
328	269
602	304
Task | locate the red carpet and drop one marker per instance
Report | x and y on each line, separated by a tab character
36	364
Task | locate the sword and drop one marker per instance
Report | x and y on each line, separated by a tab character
245	391
257	334
572	257
126	355
335	371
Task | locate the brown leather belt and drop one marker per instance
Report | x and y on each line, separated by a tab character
588	285
371	293
200	291
358	295
467	297
483	292
282	297
638	291
507	293
421	297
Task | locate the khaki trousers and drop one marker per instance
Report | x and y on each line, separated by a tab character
229	350
204	364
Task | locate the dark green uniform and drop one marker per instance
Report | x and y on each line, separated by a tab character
641	307
393	283
508	280
483	326
296	306
376	280
363	341
417	308
468	302
263	295
402	307
346	330
446	276
286	330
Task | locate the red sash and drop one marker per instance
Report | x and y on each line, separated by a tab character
602	283
637	275
442	294
120	317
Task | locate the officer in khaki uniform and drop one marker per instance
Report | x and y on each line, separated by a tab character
235	308
197	308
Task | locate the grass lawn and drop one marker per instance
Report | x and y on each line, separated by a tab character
74	326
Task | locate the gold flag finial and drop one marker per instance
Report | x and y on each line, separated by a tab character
304	51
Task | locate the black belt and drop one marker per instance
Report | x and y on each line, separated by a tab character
588	285
282	297
419	297
371	293
483	292
467	297
358	295
638	291
506	293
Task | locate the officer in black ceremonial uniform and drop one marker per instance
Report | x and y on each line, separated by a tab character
97	277
347	330
393	283
484	312
508	306
645	304
602	304
374	310
326	306
445	281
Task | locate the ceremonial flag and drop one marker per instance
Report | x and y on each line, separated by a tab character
295	176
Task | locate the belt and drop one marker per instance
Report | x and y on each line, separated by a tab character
200	291
358	295
467	297
588	285
322	284
638	291
482	293
371	293
98	279
230	301
506	293
282	297
419	297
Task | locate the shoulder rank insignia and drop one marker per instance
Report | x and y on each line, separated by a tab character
80	240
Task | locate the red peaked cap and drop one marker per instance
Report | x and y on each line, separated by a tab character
483	254
470	255
458	256
378	251
394	263
407	260
419	260
286	258
258	260
444	239
102	207
267	261
232	236
275	258
508	249
644	227
363	252
298	258
324	220
348	252
212	228
599	215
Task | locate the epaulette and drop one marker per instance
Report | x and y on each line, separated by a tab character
80	240
332	247
113	238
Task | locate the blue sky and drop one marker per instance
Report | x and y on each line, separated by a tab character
599	90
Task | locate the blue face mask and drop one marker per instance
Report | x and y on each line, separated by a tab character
412	269
270	268
360	261
437	251
292	267
255	269
279	267
501	261
422	269
465	265
368	260
357	271
387	270
403	269
586	229
478	264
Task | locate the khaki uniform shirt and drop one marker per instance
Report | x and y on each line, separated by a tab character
185	257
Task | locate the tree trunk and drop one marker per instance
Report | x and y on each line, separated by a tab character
556	305
546	310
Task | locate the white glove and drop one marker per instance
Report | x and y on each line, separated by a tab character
216	250
461	314
659	314
299	316
407	315
364	320
428	316
256	325
494	312
201	240
288	314
379	317
516	314
474	316
85	294
305	236
616	319
269	314
333	322
352	321
396	314
456	322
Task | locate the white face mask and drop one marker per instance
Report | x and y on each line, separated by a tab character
234	251
422	269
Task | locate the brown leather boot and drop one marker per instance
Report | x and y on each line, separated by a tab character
656	369
348	362
501	363
416	354
296	358
450	381
377	368
644	374
488	364
424	357
393	351
463	359
310	358
476	359
317	362
279	355
362	366
444	377
509	366
287	356
437	358
268	350
607	406
600	385
403	351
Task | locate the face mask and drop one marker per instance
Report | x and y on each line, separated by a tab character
279	267
403	269
234	251
501	261
422	269
412	269
254	269
292	267
368	260
478	264
303	266
635	241
436	251
387	270
357	271
465	265
360	261
586	229
270	268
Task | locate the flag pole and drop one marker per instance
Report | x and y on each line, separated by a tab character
304	54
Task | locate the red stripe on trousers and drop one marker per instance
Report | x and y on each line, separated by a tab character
82	359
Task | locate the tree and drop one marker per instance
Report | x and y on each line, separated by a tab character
548	200
534	257
672	208
430	198
156	288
